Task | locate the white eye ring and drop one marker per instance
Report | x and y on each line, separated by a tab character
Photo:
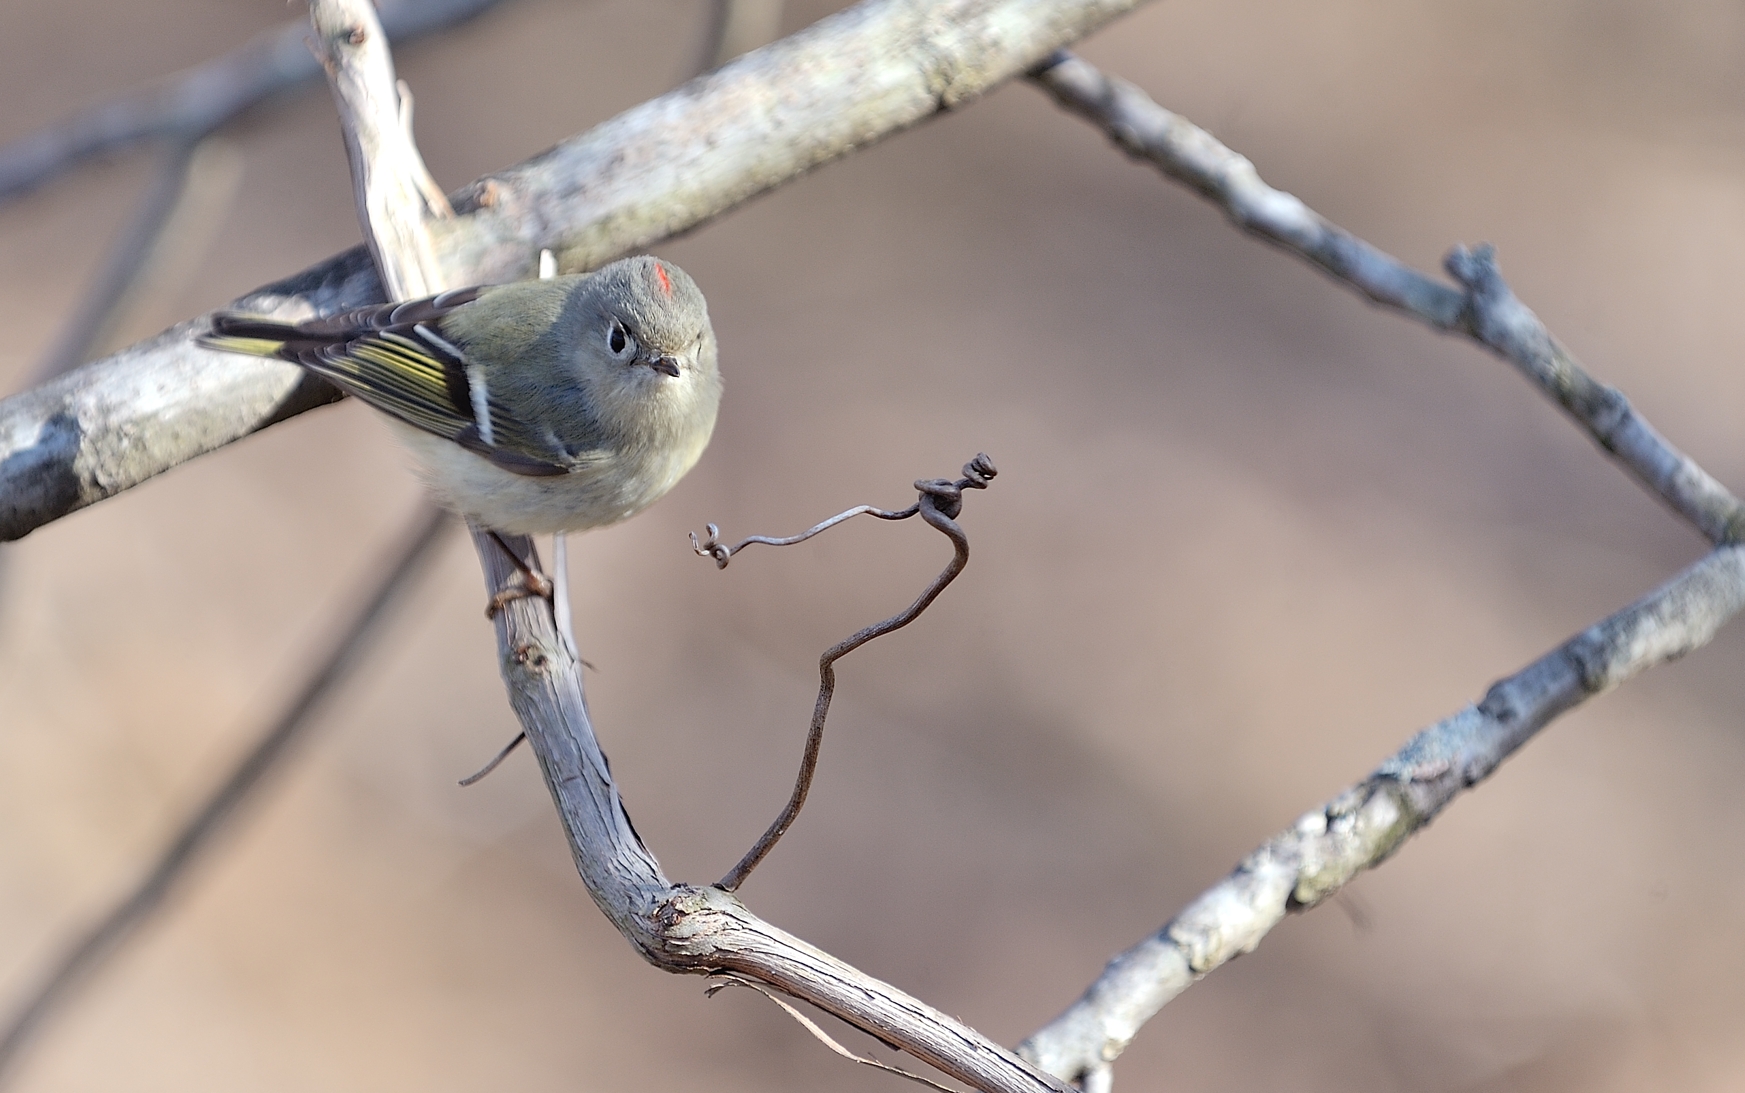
619	341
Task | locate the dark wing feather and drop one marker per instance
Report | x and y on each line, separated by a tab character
392	357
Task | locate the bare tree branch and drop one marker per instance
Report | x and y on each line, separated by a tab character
652	172
1298	868
1484	308
1303	865
679	928
194	102
398	203
80	960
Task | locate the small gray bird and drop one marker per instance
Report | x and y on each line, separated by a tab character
537	406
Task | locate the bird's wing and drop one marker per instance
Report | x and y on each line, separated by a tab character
394	357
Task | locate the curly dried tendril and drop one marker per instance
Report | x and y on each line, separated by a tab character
940	503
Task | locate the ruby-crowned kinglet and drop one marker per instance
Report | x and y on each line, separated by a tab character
537	406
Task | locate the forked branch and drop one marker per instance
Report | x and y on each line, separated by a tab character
1483	308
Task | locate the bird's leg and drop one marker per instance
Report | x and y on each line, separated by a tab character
533	582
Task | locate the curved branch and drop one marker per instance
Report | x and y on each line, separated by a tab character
656	170
683	928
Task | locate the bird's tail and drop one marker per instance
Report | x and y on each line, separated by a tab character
252	334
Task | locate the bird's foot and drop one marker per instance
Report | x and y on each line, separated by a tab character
533	583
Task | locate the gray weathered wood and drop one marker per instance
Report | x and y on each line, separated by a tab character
1483	308
1357	830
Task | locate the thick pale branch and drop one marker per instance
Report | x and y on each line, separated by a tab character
652	172
1483	308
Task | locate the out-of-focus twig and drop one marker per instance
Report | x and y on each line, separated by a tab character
173	221
940	502
192	103
85	956
1483	308
738	26
195	181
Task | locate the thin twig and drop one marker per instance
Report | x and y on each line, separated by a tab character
192	103
496	760
714	548
98	944
123	265
941	500
722	982
736	27
1483	308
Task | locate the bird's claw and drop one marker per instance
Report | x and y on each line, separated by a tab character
533	583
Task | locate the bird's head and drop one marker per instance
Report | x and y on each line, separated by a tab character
645	342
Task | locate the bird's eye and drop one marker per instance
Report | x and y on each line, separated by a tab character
618	339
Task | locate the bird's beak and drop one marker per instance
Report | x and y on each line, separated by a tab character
664	363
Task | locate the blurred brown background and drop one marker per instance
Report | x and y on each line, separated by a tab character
1249	534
